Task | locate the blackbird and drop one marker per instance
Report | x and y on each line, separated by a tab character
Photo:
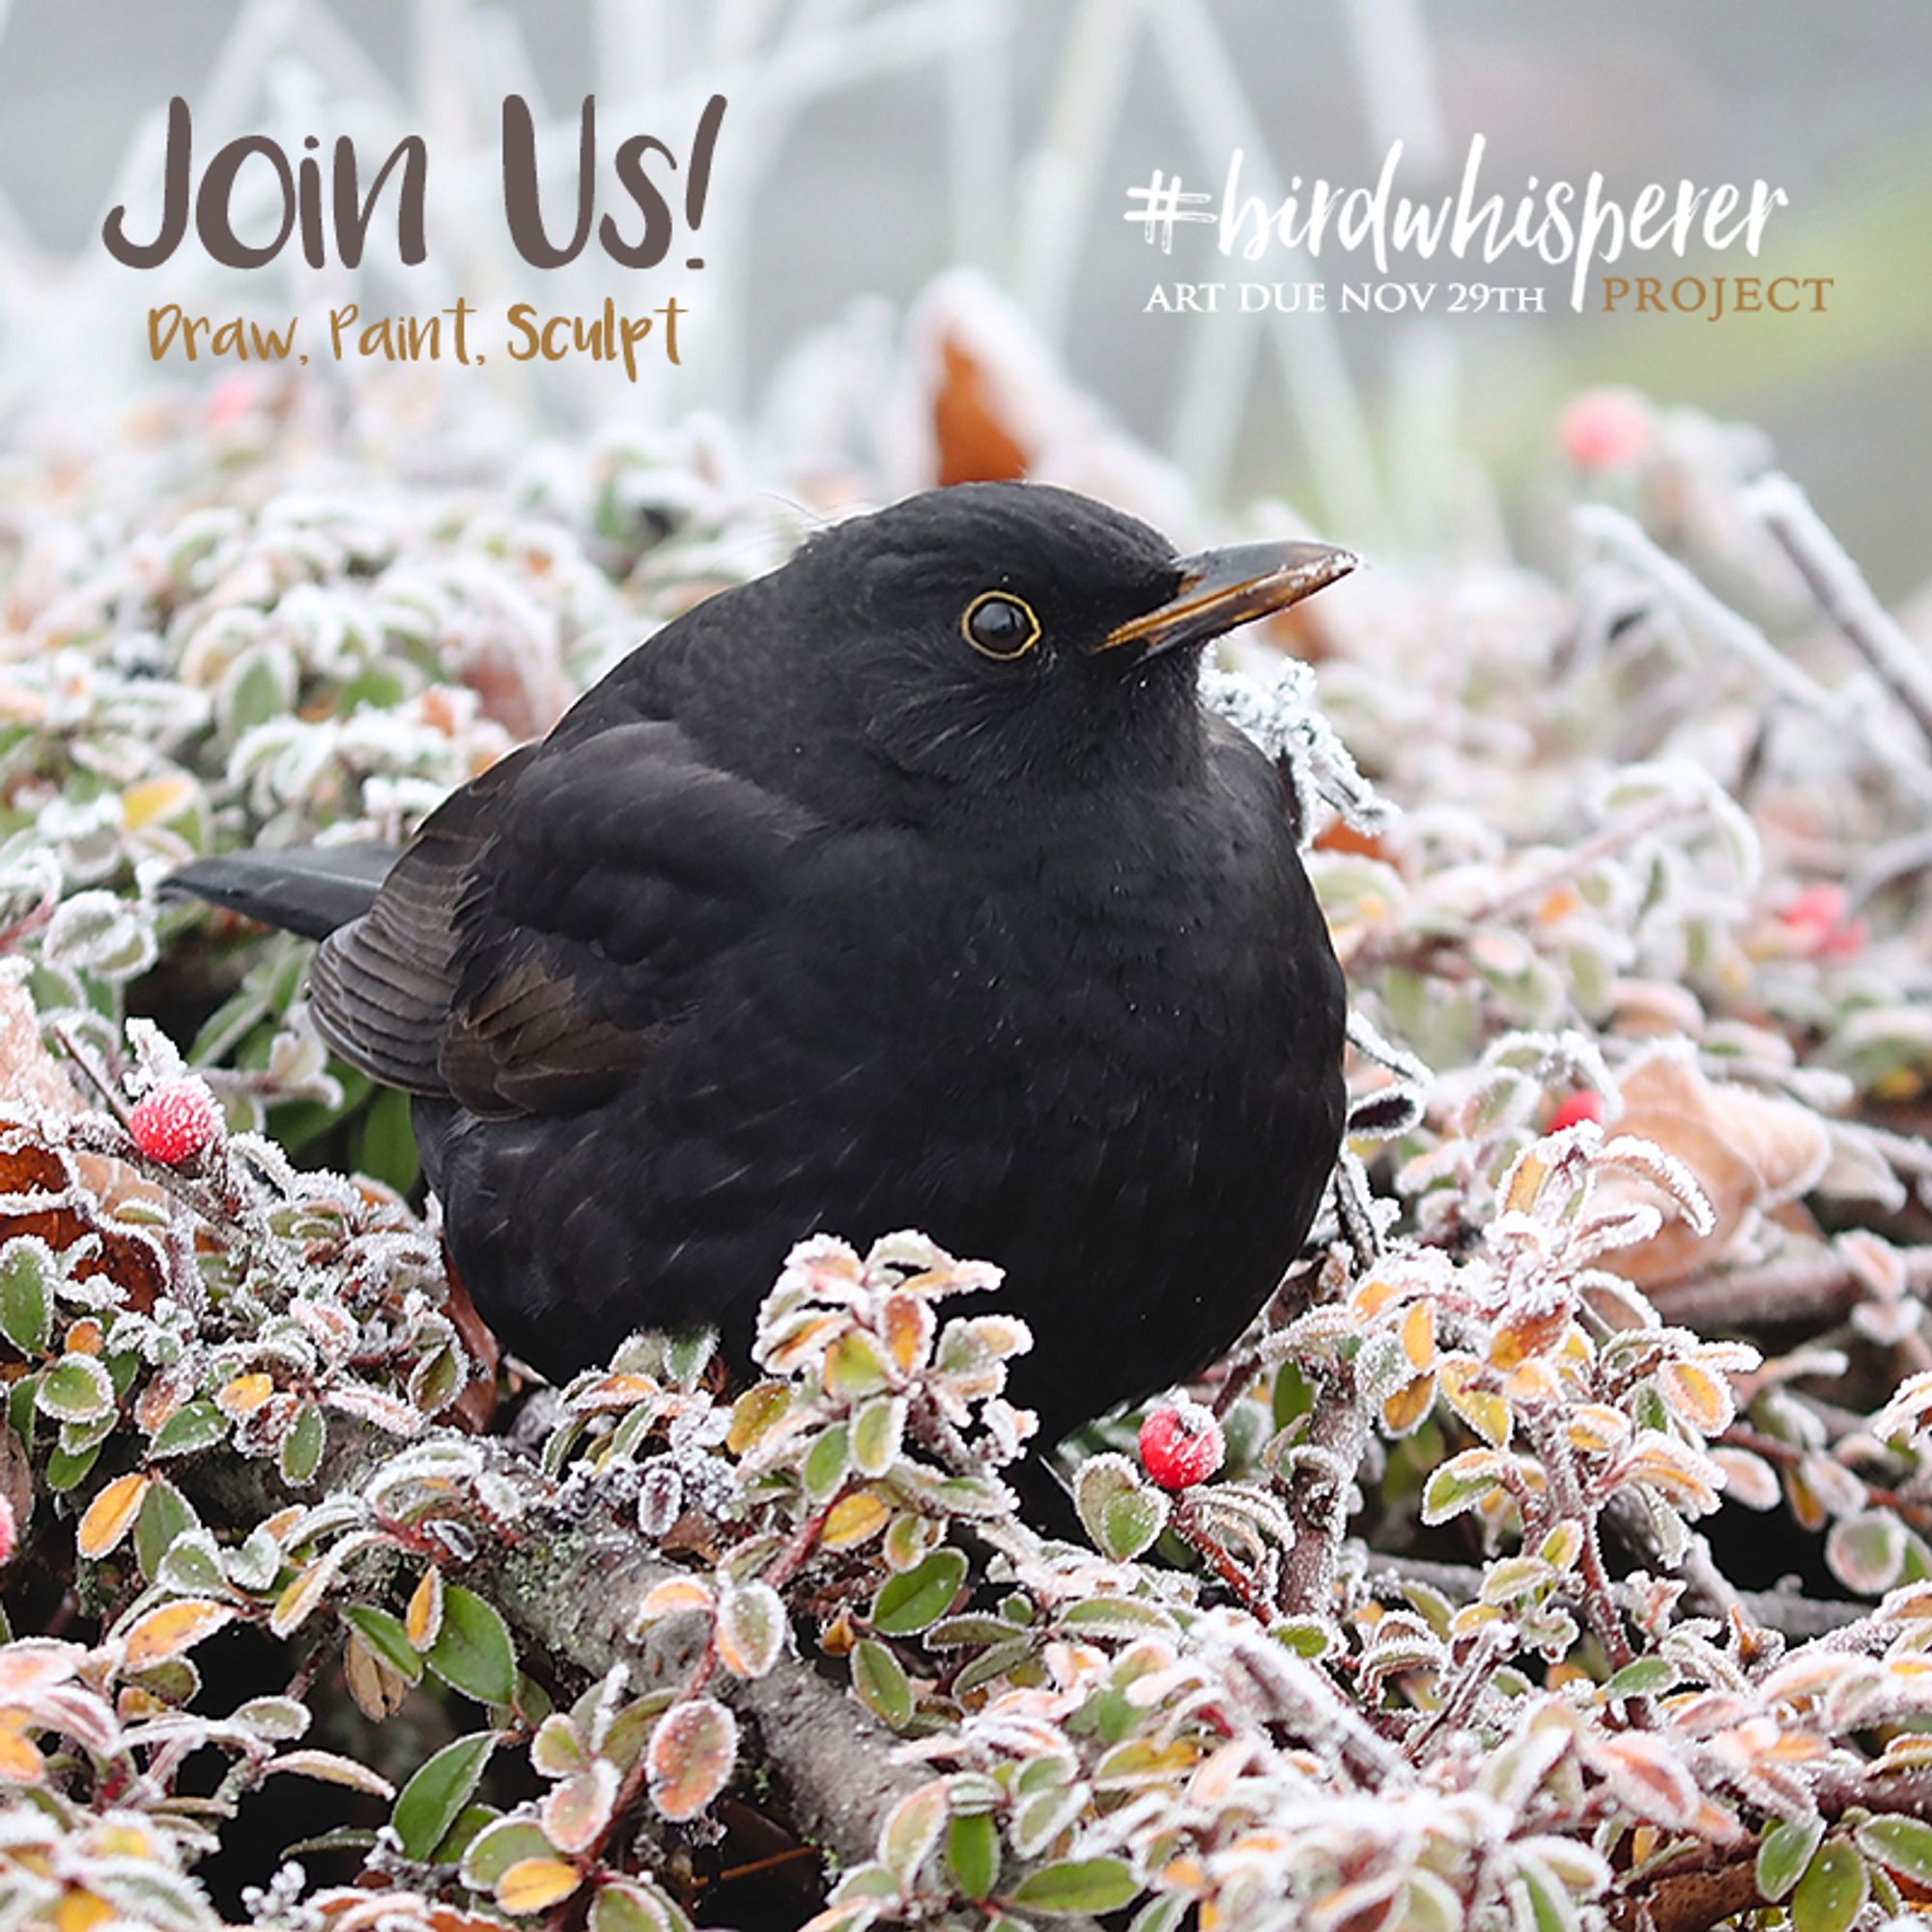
908	886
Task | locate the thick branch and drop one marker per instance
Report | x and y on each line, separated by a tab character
570	1581
1317	1497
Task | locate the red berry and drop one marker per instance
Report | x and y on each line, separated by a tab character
1816	908
1605	429
173	1123
1815	917
1584	1104
1182	1444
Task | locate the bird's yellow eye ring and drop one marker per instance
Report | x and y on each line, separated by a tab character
997	624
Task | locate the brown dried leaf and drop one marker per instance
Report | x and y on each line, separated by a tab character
1749	1151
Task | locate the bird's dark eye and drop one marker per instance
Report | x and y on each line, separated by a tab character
1000	625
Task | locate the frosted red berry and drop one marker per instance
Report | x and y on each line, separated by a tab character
1818	922
1182	1444
1605	429
173	1123
1584	1104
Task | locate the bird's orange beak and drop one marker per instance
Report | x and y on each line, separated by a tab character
1223	589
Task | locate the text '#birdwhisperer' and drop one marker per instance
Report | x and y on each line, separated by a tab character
1586	228
249	201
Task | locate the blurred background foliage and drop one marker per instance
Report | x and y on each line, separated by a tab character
871	143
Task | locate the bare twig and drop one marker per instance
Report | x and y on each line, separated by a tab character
1844	596
1812	1290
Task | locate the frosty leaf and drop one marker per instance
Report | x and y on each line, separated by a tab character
880	1682
306	1591
1077	1885
194	1426
1866	1551
1784	1853
750	1629
909	1602
853	1519
372	1405
1648	1778
827	1461
331	1768
422	1620
1461	1484
911	1831
386	1638
575	1812
27	1271
533	1884
498	1847
472	1652
1121	1512
75	1389
1463	1384
1833	1892
1901	1844
1681	1475
907	1324
973	1854
101	933
1748	1479
691	1756
175	1627
878	1432
111	1514
855	1368
635	1905
20	1760
439	1788
1702	1399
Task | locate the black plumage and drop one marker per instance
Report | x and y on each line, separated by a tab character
909	886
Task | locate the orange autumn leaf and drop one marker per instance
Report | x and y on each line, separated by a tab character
673	1597
852	1520
974	444
171	1628
422	1620
1341	836
1409	1405
110	1516
79	1910
691	1756
907	1328
530	1885
1418	1335
1703	1398
20	1760
244	1394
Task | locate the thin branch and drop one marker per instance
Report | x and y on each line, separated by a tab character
1844	596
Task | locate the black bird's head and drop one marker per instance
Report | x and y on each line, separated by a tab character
1000	634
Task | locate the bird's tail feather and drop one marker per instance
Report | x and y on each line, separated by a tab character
305	888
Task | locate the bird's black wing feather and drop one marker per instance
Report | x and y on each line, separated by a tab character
305	888
526	953
380	987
